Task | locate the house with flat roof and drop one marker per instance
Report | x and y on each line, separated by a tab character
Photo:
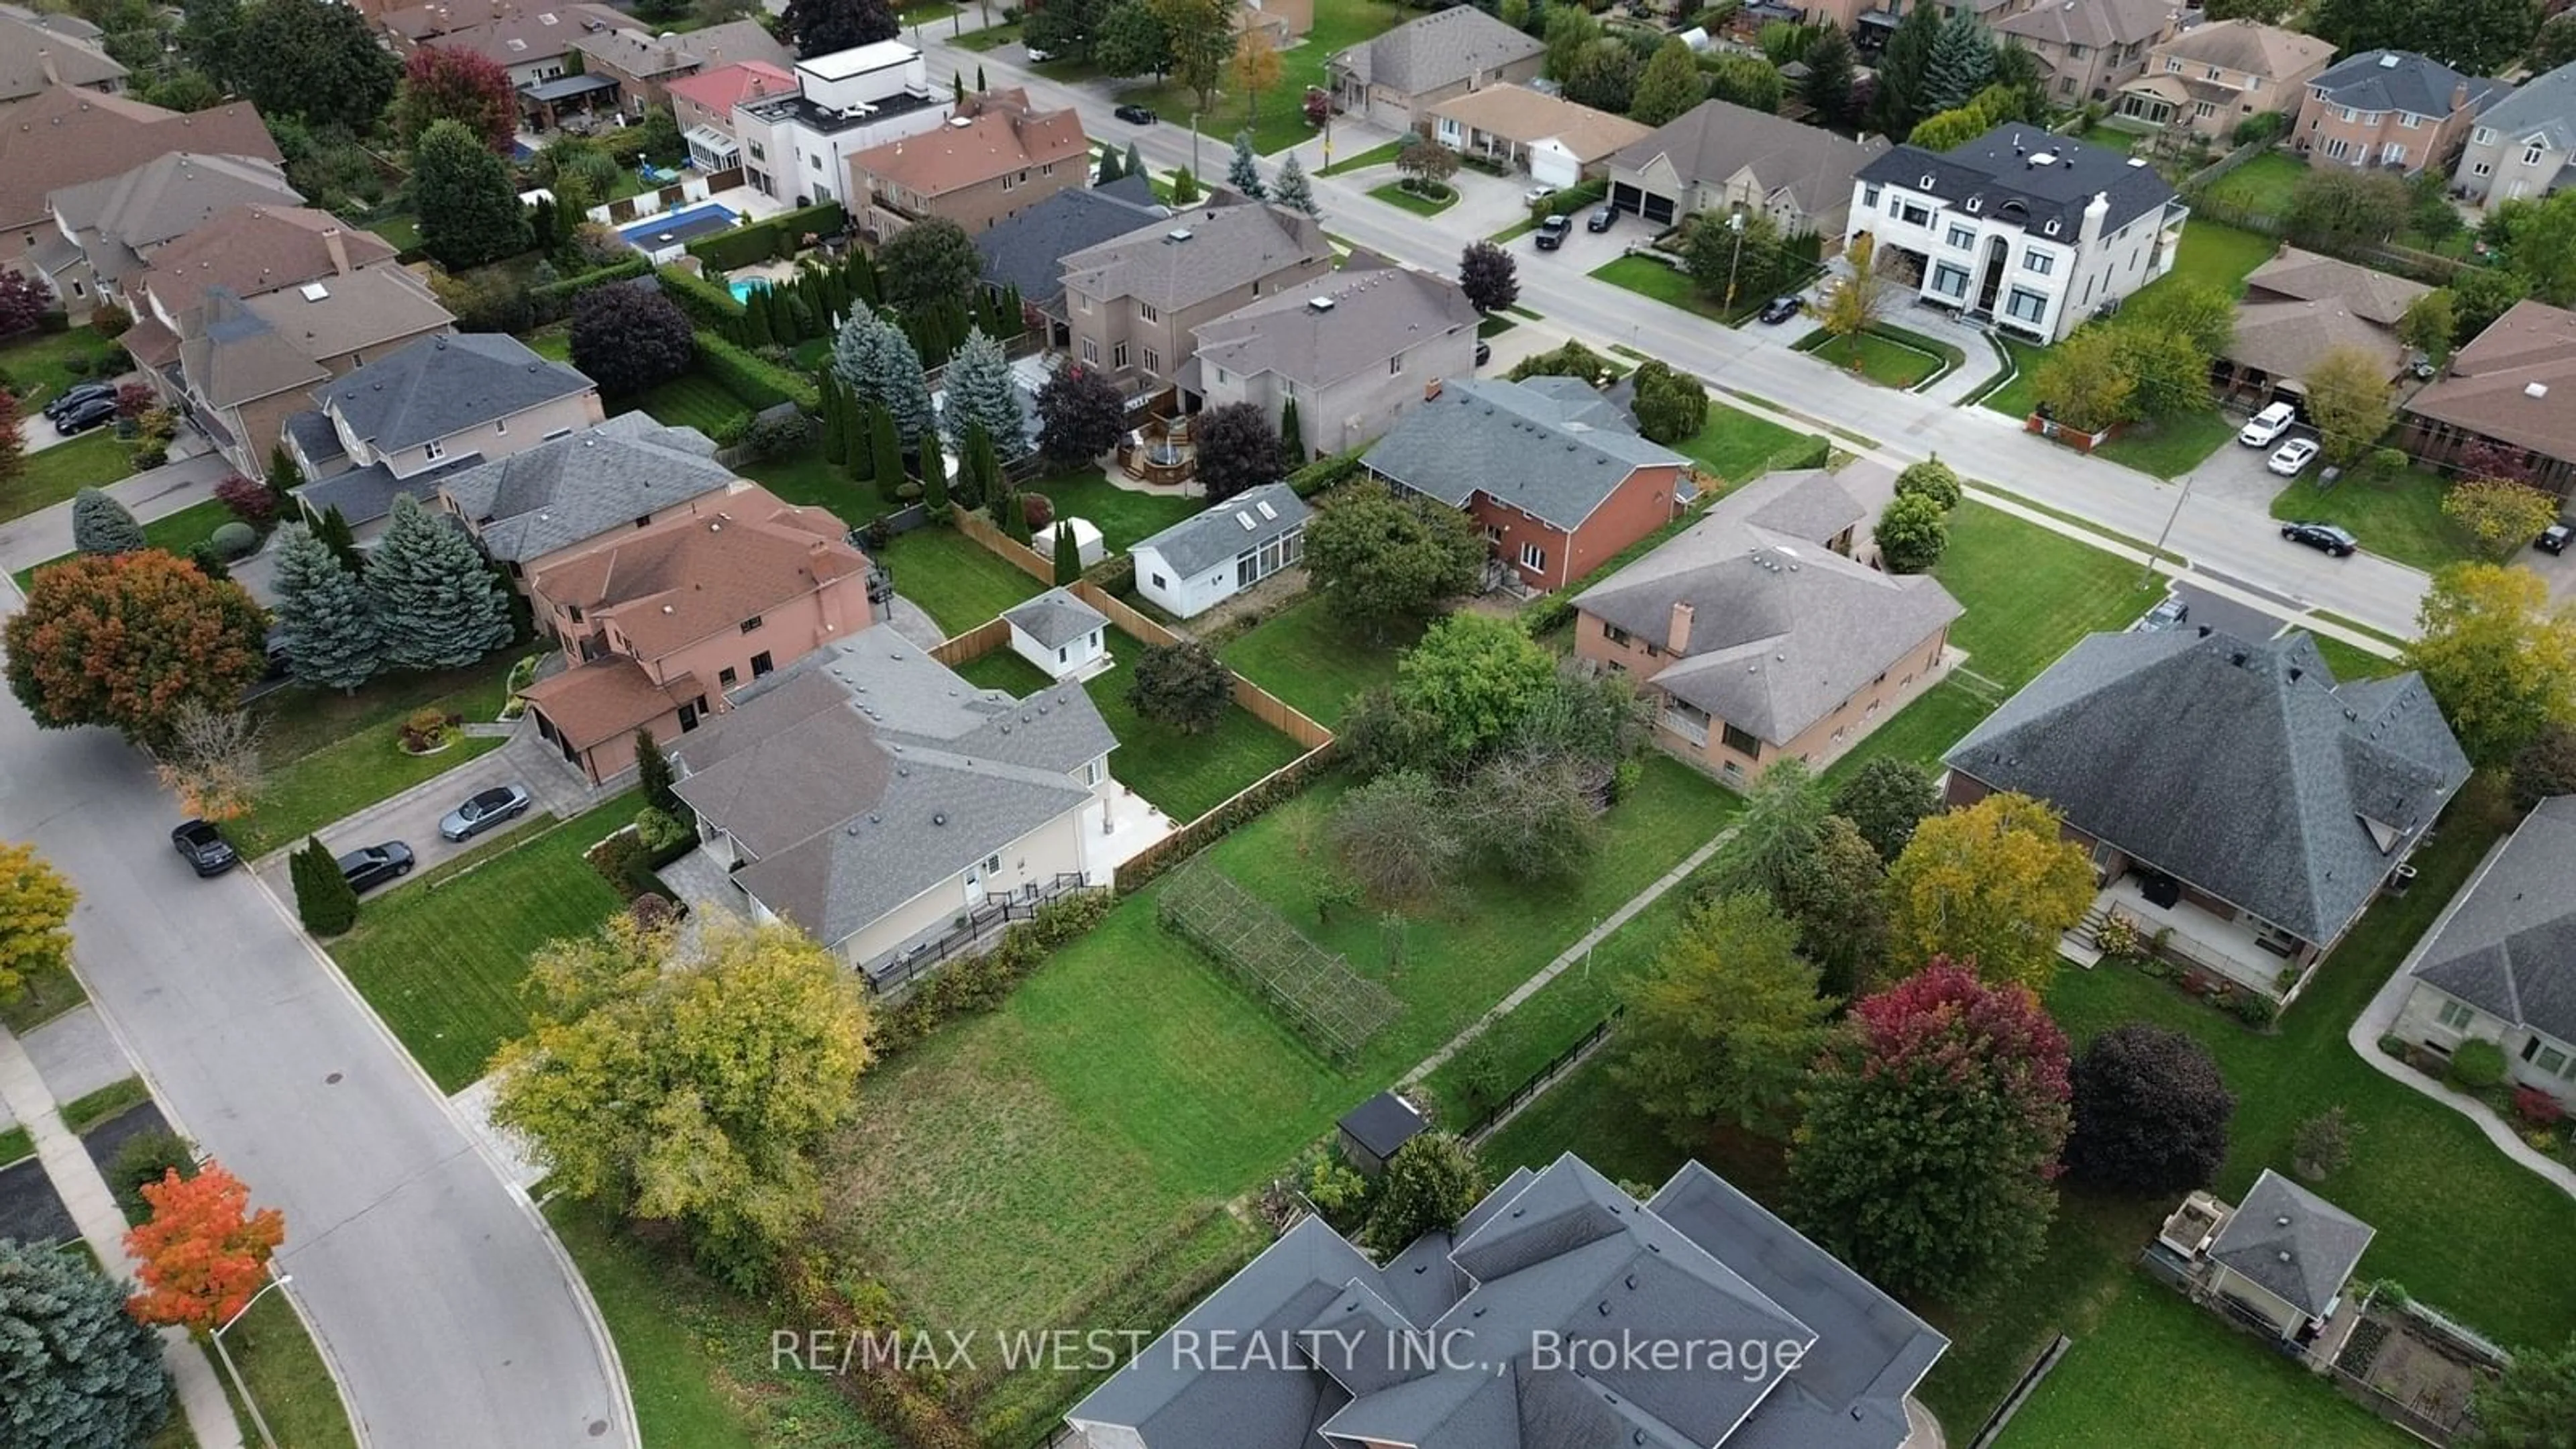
62	138
246	364
2240	806
797	147
2500	964
1133	303
1027	249
891	810
996	157
2299	307
1211	556
117	223
1355	349
1396	79
1759	637
1556	141
1719	156
2511	388
397	426
2088	49
1528	1295
539	505
1552	472
2212	78
39	51
657	624
2523	145
2392	109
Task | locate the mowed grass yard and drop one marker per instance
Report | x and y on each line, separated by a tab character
1275	116
1737	446
1882	360
2398	515
957	581
173	532
1648	277
1305	656
1123	515
441	958
92	460
2030	593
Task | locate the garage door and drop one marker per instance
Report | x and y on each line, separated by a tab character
1624	197
1551	167
1659	209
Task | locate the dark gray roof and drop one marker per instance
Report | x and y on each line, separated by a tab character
1207	253
1204	540
366	494
1028	250
1711	142
1440	49
1055	618
1370	311
314	436
559	493
2296	1244
2543	106
440	386
1383	1123
2240	768
2001	170
1563	1256
1782	631
1552	451
2401	80
2507	945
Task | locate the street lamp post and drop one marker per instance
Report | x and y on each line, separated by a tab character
258	1420
1735	224
1195	173
2147	573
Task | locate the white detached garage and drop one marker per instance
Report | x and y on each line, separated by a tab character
1201	561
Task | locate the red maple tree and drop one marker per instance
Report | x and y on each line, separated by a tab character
445	84
203	1253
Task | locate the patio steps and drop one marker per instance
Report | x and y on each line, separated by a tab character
2077	945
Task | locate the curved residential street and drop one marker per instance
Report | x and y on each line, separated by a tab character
450	1312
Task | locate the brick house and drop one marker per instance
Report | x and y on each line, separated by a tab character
2212	77
2499	389
1552	473
250	250
1131	304
995	158
114	225
2088	49
2393	109
1719	156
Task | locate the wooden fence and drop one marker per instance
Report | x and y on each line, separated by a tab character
975	643
1013	552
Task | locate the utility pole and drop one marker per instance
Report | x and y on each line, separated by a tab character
2147	574
1734	223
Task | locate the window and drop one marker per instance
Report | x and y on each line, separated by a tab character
2337	149
758	154
2213	73
1950	280
813	162
1091	773
1082	300
1741	742
1060	655
2548	1058
1287	387
751	623
1614	633
2408	120
1090	349
1964	238
2393	153
2074	51
2066	83
646	519
1533	557
501	427
1146	311
1912	215
2204	110
727	677
2373	118
760	664
1160	583
2532	153
2348	113
1395	365
1153	362
432	450
1009	182
1869	197
688	717
992	864
2025	306
2483	135
1046	168
2173	65
1118	355
2038	262
2456	1015
2480	168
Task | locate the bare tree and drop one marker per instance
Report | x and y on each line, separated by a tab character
212	760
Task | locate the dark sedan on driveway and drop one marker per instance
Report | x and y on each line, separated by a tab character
1135	115
80	417
74	397
1601	218
2324	537
2553	539
1781	309
366	869
485	810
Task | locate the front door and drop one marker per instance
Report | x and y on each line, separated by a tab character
974	886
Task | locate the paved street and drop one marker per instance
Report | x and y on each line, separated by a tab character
47	533
450	1311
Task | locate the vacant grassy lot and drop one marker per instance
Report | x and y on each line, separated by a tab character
1394	194
92	460
2172	447
1737	446
958	581
1881	359
287	1377
2261	186
441	959
2029	593
1122	515
1303	655
2395	514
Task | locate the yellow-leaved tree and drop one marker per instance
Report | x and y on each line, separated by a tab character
35	917
2499	658
1994	882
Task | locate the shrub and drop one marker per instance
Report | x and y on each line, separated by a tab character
1037	510
757	383
777	437
660	831
709	304
651	911
2537	1107
251	500
761	240
234	541
423	730
2118	936
147	1157
2323	1143
2477	1064
2254	1009
2393	1045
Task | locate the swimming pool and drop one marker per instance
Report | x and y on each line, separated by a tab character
742	290
704	219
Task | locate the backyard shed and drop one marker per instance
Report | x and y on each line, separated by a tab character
1060	634
1373	1130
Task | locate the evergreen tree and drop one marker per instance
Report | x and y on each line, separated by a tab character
934	492
885	450
334	530
283	477
653	776
979	469
1015	519
323	898
1292	436
82	1374
469	210
1111	169
1962	60
980	392
1002	502
1828	86
438	606
934	469
836	438
756	328
1294	191
100	524
1899	103
1244	174
880	365
328	623
1134	165
1068	554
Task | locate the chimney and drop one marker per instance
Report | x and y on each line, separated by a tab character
1677	633
2094	213
45	59
2459	95
339	249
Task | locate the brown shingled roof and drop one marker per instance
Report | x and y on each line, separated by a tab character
256	249
66	138
698	574
2515	382
1006	137
605	698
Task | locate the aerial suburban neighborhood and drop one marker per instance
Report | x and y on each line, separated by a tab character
1287	724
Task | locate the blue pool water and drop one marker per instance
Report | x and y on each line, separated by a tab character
742	290
703	219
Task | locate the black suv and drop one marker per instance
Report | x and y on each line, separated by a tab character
2322	536
1601	218
1135	115
203	847
1552	232
2554	538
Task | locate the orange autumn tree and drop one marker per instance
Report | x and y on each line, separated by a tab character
203	1252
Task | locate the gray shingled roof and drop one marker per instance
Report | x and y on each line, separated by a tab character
2000	169
1369	313
2296	1244
366	494
1028	250
1206	539
2240	768
1715	139
2507	945
2401	80
440	386
2543	106
556	494
867	773
314	436
1440	49
1207	253
1055	618
1551	455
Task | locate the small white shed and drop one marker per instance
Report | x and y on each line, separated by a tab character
1088	545
1060	634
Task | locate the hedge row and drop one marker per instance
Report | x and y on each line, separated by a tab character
708	304
553	301
1325	472
1572	199
759	384
759	241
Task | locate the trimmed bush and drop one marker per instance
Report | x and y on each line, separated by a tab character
1322	474
709	304
759	242
234	540
553	301
2477	1064
759	384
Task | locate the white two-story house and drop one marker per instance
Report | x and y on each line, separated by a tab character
2035	231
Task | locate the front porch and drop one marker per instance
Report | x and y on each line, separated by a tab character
2230	948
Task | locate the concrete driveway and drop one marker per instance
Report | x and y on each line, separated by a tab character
412	816
2237	473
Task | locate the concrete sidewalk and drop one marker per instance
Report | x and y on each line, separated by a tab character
102	1226
46	534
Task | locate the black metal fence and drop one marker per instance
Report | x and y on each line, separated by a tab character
1540	1080
971	933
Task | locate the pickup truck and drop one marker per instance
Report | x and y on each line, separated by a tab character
203	847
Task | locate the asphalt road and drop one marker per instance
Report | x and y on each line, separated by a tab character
454	1319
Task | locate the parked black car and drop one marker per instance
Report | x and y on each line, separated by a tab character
203	847
2553	539
74	396
2322	536
1136	115
366	869
82	416
1781	309
1601	218
1552	233
1485	354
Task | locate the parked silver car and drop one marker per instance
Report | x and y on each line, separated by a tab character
485	810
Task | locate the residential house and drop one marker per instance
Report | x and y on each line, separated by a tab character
2300	306
1720	156
397	426
40	51
797	148
994	159
533	43
645	64
1060	634
1396	79
892	811
1529	1298
1556	141
2030	229
2523	145
2278	1260
65	138
1211	556
2497	390
1027	250
1760	638
250	251
1132	303
2500	964
2239	805
1554	474
657	623
1285	22
115	224
1354	349
704	104
535	507
2393	109
2088	49
246	364
2211	78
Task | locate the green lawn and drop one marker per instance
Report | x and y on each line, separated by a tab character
2029	593
1495	325
1737	446
43	993
1374	156
958	581
1122	515
2399	516
441	958
402	233
805	478
1882	360
288	1379
991	38
1394	194
697	1357
2172	447
295	721
1305	656
2014	398
176	532
15	1144
35	368
92	460
692	400
2349	663
1275	117
330	755
1922	731
2261	186
1650	278
86	1112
